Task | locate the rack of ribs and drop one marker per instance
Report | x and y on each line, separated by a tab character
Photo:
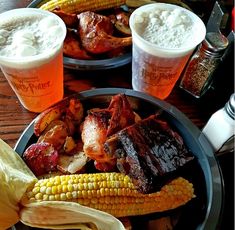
149	152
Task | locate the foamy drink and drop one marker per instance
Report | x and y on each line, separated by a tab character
164	37
31	57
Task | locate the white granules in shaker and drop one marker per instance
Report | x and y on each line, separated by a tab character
167	28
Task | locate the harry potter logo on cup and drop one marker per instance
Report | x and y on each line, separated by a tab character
32	86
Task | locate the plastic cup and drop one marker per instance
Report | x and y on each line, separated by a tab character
159	57
34	68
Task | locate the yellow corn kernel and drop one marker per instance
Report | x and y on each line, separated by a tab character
36	190
54	190
57	196
48	191
70	187
51	198
49	184
64	188
77	6
111	192
38	196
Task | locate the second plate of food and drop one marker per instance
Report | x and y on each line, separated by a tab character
111	37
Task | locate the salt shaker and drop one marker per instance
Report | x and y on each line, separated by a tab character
198	74
220	128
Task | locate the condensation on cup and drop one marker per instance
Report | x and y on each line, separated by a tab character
164	37
31	56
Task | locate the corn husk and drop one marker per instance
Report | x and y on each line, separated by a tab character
16	178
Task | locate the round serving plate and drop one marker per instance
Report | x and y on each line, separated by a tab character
89	65
201	213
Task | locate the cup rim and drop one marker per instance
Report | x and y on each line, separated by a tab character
36	57
185	49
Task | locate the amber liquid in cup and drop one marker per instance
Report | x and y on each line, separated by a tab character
33	61
164	37
39	87
155	75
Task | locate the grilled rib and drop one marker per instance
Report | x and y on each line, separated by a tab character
149	152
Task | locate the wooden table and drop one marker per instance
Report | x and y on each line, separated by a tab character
14	118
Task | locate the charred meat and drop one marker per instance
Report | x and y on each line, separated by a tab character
149	152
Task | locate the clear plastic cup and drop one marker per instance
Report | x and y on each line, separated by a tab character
31	56
164	37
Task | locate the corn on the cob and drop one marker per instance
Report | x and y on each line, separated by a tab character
77	6
113	193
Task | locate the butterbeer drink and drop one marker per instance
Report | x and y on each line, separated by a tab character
164	37
31	56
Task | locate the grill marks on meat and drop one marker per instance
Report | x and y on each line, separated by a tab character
148	151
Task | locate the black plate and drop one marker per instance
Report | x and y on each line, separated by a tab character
202	212
90	65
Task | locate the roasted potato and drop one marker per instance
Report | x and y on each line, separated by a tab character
41	158
70	108
72	164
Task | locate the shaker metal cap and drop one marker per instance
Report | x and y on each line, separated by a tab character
230	106
215	42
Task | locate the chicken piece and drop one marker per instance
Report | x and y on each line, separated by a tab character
96	33
101	123
94	134
70	20
72	47
122	114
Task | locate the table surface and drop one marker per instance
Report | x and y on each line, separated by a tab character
14	118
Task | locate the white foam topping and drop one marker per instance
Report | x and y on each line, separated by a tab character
3	36
166	28
30	35
170	28
46	23
25	50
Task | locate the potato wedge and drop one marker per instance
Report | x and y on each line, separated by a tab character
46	117
69	145
75	110
122	28
55	136
70	108
72	164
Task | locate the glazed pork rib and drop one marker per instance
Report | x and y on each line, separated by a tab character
148	151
